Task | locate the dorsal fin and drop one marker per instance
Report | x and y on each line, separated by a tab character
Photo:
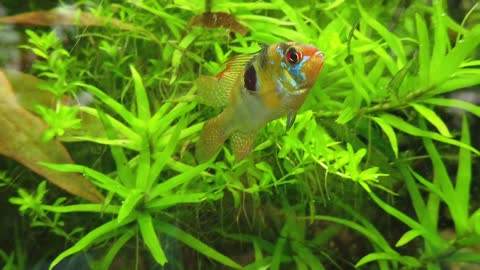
214	91
234	67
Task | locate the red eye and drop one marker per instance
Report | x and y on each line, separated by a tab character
293	55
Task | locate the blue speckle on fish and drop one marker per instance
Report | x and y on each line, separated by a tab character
283	64
296	68
279	51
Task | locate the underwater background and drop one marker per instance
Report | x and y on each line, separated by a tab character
101	114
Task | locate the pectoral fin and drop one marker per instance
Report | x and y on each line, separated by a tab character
242	144
291	119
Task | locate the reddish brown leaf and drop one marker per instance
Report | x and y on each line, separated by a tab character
219	19
21	139
28	95
64	16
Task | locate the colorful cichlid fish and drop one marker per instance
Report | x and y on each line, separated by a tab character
256	89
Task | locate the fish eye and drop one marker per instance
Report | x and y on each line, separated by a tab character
293	55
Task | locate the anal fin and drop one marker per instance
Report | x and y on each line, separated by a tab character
211	139
242	144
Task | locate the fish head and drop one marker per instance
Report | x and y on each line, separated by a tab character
295	66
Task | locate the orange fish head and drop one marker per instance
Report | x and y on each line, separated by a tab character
297	65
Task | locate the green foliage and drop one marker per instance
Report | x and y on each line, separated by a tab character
376	117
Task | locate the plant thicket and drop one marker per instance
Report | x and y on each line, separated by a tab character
383	150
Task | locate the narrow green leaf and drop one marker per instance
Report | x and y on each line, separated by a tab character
452	61
440	40
430	186
117	107
395	83
196	244
150	238
407	237
279	250
88	239
388	130
305	255
142	180
172	200
393	41
117	125
433	118
164	156
143	105
99	178
179	52
159	125
455	103
124	172
423	49
464	175
403	126
114	249
357	86
405	260
372	235
175	181
98	208
129	204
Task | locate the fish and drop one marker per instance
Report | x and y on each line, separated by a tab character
255	89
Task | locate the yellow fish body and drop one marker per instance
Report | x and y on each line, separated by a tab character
256	89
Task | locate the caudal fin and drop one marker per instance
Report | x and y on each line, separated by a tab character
211	139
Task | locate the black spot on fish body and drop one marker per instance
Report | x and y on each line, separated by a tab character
250	78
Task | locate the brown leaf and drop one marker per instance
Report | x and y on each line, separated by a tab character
28	94
21	139
64	16
219	19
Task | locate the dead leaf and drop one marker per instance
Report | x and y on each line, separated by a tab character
28	95
65	16
217	20
21	140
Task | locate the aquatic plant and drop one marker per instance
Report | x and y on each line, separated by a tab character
372	137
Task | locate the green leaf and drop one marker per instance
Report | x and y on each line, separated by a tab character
433	118
175	181
405	260
125	174
117	107
455	103
129	204
163	157
90	238
172	200
452	61
423	49
407	237
143	105
403	126
107	260
388	130
99	178
393	41
196	244
150	238
440	40
464	173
